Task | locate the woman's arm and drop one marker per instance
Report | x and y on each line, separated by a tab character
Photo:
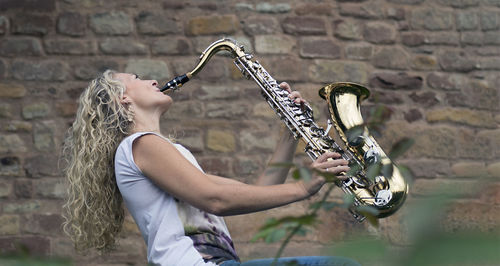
163	164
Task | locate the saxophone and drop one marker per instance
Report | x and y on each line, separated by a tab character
386	195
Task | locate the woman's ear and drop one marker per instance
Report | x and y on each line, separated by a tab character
125	99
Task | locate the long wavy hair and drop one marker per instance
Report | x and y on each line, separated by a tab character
93	211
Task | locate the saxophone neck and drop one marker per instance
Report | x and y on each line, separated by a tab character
225	44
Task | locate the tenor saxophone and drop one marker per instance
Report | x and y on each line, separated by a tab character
384	194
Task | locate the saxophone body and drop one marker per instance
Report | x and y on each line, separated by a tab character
385	194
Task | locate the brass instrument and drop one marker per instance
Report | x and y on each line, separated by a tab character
386	195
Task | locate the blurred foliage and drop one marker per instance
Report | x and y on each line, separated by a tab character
23	257
429	243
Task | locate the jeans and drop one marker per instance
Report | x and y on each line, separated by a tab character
301	261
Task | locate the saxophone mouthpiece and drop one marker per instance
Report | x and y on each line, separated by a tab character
176	83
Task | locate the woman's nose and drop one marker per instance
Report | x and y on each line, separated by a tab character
155	83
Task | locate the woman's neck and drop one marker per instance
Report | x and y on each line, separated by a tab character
146	124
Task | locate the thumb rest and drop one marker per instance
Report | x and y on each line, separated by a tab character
386	195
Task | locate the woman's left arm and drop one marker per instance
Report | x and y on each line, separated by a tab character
284	152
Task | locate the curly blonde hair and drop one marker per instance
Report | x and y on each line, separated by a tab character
93	211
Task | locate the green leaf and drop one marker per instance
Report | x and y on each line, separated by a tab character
355	168
305	173
354	135
275	235
400	147
296	174
283	164
405	172
387	170
373	171
348	200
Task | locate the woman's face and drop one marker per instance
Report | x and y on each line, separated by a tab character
143	93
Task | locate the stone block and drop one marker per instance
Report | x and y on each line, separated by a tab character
34	245
286	68
462	116
149	23
122	46
185	110
12	90
3	70
433	19
215	92
45	224
391	58
304	26
433	142
456	61
111	23
4	25
46	70
471	216
491	38
396	13
19	207
69	47
248	166
36	110
263	110
148	69
90	69
387	97
424	62
328	70
23	189
443	38
319	48
359	51
466	20
447	82
171	46
9	224
221	141
472	145
216	166
218	69
316	9
66	108
469	169
5	189
494	171
272	44
32	24
261	26
426	168
472	38
192	139
488	20
11	47
395	81
272	8
231	110
379	33
348	29
406	2
29	5
210	25
257	141
11	143
368	10
459	4
5	110
71	24
426	99
43	136
413	39
10	166
444	187
412	115
50	188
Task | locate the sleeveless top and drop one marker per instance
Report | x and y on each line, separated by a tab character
175	232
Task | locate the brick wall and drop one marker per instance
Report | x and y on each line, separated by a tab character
433	63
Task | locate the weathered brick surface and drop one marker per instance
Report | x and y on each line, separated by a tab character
433	64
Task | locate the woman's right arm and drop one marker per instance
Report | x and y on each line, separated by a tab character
164	165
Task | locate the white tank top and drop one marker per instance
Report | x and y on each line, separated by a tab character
175	232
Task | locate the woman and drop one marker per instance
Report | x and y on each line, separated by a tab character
116	151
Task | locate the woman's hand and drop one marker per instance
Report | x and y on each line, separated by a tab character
294	95
327	162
